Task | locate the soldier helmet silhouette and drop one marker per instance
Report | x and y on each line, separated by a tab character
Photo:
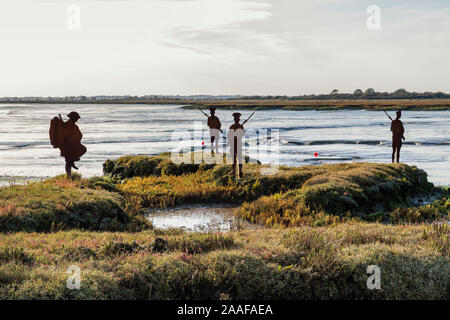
236	115
74	116
212	109
399	113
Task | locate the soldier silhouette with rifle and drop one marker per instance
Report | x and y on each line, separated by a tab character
214	129
398	132
234	140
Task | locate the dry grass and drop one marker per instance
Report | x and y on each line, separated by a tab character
322	251
61	204
344	191
295	263
409	104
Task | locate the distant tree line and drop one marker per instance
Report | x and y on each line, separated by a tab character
369	94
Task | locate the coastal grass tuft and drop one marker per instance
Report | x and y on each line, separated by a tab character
326	262
311	239
61	204
144	166
313	195
347	190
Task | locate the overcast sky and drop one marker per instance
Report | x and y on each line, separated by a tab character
246	47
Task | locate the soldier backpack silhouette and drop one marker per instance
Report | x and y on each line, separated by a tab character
67	137
397	135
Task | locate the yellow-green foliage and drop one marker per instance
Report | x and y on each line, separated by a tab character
438	236
207	185
321	253
170	190
356	189
144	166
293	263
59	204
292	196
322	104
429	212
278	211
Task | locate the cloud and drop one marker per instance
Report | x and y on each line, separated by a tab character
227	29
245	46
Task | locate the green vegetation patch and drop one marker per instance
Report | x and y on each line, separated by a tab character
162	165
294	263
348	190
312	195
333	102
60	204
144	166
208	185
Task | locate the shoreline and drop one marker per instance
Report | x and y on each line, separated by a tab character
281	104
6	181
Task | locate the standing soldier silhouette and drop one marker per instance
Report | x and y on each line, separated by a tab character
67	137
397	135
214	130
234	140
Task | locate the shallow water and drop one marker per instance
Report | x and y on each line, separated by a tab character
111	131
199	217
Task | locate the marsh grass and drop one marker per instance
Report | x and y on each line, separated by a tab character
16	255
312	242
294	263
430	212
144	166
312	195
61	204
438	237
325	104
344	191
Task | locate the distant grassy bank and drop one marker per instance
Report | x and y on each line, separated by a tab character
277	104
319	227
300	105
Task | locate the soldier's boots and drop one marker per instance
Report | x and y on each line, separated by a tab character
240	171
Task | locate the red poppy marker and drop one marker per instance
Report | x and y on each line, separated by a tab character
316	154
203	143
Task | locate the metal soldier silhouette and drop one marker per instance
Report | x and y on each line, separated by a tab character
397	135
214	130
67	137
234	140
